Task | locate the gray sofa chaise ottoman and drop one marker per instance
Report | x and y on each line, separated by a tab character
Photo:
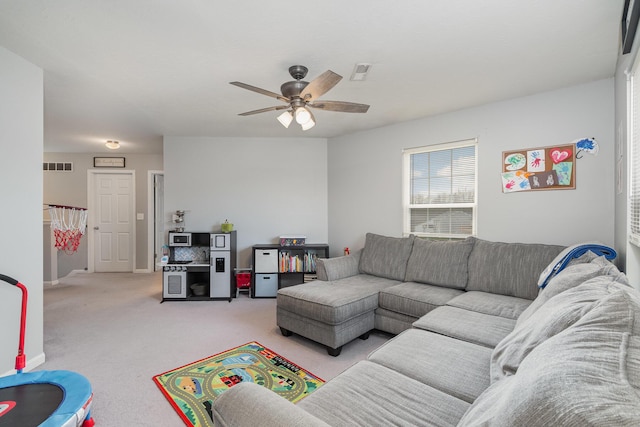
392	282
571	358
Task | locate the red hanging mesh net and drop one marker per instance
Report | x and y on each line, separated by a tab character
67	240
68	224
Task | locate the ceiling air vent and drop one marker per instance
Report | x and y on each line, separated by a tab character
57	166
360	71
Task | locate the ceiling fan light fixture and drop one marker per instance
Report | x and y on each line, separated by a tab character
285	118
302	115
112	145
309	124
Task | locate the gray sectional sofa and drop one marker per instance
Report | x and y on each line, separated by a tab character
393	282
478	342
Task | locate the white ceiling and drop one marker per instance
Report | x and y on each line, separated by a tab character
137	70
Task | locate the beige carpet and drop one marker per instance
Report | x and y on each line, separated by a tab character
111	328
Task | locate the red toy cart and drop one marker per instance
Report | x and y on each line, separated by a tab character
243	279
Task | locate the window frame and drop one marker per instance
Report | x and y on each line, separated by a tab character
406	190
633	121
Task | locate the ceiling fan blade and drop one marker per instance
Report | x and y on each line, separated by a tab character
344	107
261	91
320	85
264	110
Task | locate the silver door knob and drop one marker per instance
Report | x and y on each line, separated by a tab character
96	228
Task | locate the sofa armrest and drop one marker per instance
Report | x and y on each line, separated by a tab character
338	268
249	404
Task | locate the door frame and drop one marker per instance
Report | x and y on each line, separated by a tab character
151	219
91	216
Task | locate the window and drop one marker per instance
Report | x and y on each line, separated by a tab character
634	165
440	190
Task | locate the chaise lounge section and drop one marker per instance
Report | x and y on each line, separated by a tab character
334	312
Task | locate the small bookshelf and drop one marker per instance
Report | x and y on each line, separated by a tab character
295	265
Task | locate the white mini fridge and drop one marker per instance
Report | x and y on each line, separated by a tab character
223	264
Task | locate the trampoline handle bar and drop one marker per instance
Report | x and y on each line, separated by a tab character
9	280
20	358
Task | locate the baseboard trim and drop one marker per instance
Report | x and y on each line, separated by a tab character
35	361
142	270
32	363
51	283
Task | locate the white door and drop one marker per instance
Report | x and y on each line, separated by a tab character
158	218
113	227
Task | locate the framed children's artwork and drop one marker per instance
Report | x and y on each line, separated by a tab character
545	168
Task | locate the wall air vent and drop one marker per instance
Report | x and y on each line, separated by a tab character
57	166
360	71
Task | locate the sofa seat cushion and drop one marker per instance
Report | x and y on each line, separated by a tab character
455	367
415	299
392	322
466	325
586	375
333	302
428	257
369	394
509	268
386	256
493	304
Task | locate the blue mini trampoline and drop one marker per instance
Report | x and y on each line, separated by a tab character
42	398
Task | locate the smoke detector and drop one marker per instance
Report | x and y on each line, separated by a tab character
360	71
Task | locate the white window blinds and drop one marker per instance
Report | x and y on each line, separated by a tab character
440	190
634	166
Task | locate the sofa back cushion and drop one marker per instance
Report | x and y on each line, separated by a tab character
601	300
588	374
441	263
509	268
337	268
386	257
577	272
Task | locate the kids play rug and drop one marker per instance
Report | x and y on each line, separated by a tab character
192	388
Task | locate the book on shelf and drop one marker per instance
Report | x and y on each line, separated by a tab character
310	262
291	263
296	262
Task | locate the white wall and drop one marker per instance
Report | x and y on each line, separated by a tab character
21	136
365	170
70	188
266	187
